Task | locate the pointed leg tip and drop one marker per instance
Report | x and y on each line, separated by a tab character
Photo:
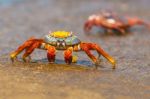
68	61
114	66
12	59
96	67
97	62
24	60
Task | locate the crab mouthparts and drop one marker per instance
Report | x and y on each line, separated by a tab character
61	44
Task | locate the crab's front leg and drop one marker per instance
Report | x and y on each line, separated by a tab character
68	55
91	46
51	53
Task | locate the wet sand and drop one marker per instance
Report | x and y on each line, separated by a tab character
40	80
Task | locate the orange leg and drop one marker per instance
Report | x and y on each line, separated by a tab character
29	50
87	51
68	55
29	45
90	46
51	51
137	21
14	54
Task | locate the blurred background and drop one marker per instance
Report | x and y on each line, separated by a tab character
21	19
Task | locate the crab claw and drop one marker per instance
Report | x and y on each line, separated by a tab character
91	46
87	27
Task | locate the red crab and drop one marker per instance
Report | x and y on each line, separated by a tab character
61	40
112	23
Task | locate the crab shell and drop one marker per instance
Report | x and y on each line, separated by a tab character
61	39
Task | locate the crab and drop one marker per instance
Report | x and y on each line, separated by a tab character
112	23
61	40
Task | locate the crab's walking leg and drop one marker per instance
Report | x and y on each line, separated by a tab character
51	53
14	54
136	21
102	52
19	50
29	45
90	46
121	30
85	48
29	50
68	55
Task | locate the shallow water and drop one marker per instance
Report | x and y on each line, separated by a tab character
21	19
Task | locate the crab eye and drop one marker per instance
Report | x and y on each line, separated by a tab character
71	33
58	43
63	44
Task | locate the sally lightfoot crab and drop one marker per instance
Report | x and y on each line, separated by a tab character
61	40
112	23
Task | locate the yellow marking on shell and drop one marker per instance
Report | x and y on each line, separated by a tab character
60	34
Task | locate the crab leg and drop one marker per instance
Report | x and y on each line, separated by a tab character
68	55
29	50
29	46
51	53
90	46
134	21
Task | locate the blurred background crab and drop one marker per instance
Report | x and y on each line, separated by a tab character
61	40
112	22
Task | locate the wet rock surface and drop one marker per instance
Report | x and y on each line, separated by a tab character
21	19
